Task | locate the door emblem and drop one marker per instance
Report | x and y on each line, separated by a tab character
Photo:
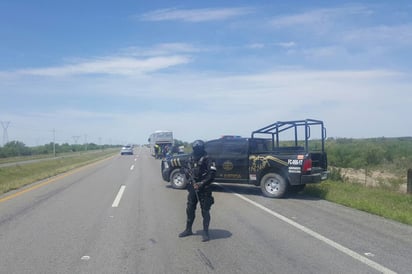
228	165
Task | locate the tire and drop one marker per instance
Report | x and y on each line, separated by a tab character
273	185
177	179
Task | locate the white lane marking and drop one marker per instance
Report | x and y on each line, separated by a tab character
316	235
118	196
132	167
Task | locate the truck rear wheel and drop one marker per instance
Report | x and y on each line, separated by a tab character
177	179
273	185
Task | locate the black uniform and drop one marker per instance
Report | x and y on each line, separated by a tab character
200	172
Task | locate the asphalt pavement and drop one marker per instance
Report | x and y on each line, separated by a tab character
119	216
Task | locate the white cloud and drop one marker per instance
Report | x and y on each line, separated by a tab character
326	52
109	65
195	105
256	46
163	49
319	17
195	15
289	44
397	35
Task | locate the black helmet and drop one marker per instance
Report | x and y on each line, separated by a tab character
198	147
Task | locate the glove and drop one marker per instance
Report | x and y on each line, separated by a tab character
197	186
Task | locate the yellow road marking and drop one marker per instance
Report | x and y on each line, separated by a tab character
50	180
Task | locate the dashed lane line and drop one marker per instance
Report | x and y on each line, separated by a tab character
119	195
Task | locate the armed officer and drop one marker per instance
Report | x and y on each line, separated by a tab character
200	173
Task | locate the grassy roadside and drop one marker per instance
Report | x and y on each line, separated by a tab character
45	156
375	200
17	176
22	158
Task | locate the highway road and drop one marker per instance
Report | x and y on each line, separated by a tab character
118	216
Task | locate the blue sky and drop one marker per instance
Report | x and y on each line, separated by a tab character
115	71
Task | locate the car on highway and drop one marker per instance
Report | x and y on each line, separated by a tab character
126	150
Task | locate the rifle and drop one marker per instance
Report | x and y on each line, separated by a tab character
188	171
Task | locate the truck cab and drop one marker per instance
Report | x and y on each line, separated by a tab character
231	157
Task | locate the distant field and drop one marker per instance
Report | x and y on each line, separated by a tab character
19	175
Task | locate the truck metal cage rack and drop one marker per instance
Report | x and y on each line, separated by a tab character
282	126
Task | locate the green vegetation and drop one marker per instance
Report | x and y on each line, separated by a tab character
378	201
390	155
19	149
18	175
393	154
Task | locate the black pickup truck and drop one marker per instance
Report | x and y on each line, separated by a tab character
280	158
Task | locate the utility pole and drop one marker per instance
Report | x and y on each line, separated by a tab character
5	125
85	142
54	143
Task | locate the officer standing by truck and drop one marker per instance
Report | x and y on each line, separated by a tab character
157	151
200	173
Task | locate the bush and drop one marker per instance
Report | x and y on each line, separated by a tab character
369	153
336	175
14	148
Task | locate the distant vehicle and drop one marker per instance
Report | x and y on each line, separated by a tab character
126	150
161	138
281	157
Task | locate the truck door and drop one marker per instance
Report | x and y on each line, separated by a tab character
214	149
233	161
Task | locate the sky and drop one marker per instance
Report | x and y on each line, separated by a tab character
113	72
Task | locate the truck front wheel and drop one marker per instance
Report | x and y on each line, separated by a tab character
273	185
177	179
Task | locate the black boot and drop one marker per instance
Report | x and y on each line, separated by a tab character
205	236
187	231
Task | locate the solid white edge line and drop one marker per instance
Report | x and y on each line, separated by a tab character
316	235
119	196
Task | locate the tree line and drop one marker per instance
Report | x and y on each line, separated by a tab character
17	148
